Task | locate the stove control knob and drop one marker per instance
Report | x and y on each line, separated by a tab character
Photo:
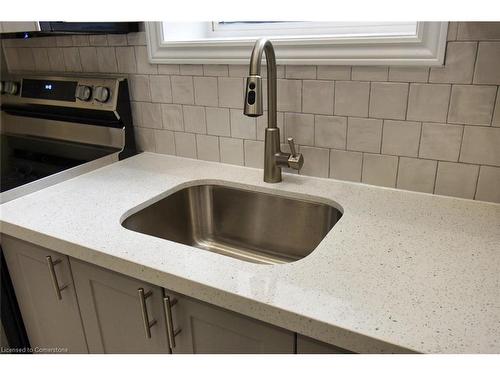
9	87
83	92
102	94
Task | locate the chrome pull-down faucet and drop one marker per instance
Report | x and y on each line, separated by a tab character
274	158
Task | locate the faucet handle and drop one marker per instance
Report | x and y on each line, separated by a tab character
295	160
291	143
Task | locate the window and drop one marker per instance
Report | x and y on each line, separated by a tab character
299	42
280	30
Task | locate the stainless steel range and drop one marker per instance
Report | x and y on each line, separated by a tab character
55	128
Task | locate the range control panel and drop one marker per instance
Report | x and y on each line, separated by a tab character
83	92
49	89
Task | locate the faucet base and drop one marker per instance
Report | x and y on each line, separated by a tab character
272	173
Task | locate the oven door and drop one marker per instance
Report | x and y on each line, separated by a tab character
37	153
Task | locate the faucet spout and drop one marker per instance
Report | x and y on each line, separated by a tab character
274	158
253	100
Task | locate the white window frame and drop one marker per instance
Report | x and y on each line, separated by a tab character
425	47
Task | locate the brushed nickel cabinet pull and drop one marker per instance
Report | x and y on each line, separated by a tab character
53	276
167	303
145	317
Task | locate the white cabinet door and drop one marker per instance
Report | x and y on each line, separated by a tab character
307	345
112	312
209	329
19	27
50	322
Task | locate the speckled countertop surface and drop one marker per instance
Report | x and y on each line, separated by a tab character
400	272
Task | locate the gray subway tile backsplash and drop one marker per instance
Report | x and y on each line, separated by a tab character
433	130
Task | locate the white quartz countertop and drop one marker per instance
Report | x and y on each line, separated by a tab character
400	271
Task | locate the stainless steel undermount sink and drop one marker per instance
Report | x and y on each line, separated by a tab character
248	225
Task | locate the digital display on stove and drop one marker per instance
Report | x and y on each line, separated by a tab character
49	89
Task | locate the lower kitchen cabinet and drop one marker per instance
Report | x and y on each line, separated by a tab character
116	318
67	303
207	329
46	296
307	345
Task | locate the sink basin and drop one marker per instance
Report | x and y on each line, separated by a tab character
248	225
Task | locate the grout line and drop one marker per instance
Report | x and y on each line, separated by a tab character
314	131
449	103
477	182
407	102
301	95
218	92
192	87
230	124
218	148
461	143
196	145
205	119
381	137
150	92
194	92
369	98
171	88
397	172
435	177
328	164
475	62
420	139
175	143
346	127
243	150
362	166
334	95
495	106
347	132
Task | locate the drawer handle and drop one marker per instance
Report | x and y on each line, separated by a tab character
168	303
53	276
145	317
